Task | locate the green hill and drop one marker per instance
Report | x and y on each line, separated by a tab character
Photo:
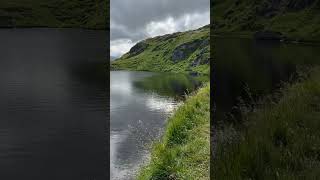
179	52
294	19
90	14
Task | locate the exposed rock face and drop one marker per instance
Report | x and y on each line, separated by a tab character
268	35
183	51
299	4
201	59
178	52
138	48
269	8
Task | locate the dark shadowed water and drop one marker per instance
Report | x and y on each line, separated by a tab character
53	102
257	67
140	104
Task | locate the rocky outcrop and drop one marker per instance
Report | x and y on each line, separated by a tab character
137	49
178	52
202	58
269	8
299	4
183	51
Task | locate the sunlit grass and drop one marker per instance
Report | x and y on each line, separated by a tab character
157	57
184	150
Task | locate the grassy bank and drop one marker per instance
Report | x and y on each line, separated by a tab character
279	140
184	150
91	14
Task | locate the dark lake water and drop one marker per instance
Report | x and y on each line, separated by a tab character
140	104
258	67
53	99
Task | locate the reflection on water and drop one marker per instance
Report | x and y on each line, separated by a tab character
260	67
140	103
168	84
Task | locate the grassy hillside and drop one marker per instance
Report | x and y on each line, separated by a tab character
295	19
179	52
54	13
184	151
279	140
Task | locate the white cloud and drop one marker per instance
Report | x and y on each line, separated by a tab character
196	20
135	14
183	23
161	27
120	46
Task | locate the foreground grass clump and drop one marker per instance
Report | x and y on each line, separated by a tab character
281	140
184	151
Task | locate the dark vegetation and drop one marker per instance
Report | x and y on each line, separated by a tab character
167	84
179	52
295	20
277	136
91	14
277	139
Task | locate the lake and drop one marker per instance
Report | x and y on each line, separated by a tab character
139	106
53	99
257	67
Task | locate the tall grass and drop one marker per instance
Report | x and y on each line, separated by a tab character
281	139
184	150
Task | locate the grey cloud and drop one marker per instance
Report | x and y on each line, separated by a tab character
122	32
133	15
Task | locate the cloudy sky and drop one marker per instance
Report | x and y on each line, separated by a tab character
135	20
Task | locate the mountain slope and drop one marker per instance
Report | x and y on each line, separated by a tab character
179	52
295	19
90	14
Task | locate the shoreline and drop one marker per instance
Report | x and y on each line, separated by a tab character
251	36
199	99
187	132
